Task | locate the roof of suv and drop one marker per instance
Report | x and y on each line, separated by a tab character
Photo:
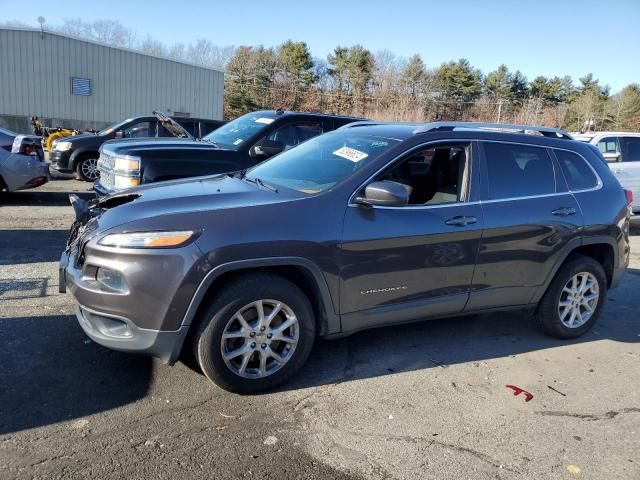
403	131
288	113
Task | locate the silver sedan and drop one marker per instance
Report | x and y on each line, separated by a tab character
22	163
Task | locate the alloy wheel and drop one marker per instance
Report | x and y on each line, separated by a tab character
578	300
260	338
89	169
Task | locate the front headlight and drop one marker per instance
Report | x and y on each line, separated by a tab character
120	182
62	146
147	239
126	163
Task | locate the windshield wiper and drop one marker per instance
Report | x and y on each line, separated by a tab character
266	185
215	144
257	181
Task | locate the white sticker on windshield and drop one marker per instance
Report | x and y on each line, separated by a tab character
264	120
238	141
350	154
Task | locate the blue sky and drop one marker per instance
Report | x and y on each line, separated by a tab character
538	37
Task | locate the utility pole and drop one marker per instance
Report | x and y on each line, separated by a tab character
499	110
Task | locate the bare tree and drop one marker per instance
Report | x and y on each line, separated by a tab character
152	46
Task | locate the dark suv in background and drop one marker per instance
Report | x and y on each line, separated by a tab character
367	226
79	153
240	144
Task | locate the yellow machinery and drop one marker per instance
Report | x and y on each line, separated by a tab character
49	134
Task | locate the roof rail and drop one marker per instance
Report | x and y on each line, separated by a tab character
448	126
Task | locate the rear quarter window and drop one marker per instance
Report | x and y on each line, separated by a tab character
579	175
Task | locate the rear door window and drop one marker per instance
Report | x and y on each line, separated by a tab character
515	171
631	149
579	175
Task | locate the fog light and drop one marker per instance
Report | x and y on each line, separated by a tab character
111	279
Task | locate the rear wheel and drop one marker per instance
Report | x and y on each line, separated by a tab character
256	334
87	169
574	300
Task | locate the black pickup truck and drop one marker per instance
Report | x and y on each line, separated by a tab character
79	154
237	145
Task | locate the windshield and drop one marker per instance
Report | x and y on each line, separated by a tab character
322	162
113	127
232	134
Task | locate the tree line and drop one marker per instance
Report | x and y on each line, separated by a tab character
352	80
355	81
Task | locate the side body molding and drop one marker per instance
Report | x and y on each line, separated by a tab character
326	326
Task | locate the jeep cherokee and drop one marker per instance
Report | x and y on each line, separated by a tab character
366	226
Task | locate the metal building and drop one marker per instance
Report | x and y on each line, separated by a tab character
78	83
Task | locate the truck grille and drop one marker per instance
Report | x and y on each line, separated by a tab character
106	163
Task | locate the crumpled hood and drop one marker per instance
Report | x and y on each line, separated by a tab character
185	196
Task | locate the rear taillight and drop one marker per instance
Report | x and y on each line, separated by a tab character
27	145
629	195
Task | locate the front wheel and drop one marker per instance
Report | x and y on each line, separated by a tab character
574	300
87	169
257	333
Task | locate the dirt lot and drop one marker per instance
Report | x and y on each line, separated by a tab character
419	401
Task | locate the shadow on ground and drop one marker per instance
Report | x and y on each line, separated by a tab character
42	198
444	342
51	373
31	246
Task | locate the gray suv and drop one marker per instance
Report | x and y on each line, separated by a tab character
366	226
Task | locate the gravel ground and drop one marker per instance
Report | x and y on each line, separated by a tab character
418	401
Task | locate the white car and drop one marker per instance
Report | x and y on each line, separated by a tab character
21	162
621	150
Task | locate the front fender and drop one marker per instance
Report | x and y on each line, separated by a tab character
331	322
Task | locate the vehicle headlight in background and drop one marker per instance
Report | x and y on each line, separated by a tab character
62	146
126	163
120	182
147	239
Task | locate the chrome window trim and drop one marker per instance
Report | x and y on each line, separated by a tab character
419	207
528	197
480	202
351	203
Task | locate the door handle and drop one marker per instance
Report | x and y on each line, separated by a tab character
564	211
461	221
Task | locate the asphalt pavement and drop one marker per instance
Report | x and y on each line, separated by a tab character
421	401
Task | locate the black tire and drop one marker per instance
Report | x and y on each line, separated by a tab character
82	170
222	309
548	310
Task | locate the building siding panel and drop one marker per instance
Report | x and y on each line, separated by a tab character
37	81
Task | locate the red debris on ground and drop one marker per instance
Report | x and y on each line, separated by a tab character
517	391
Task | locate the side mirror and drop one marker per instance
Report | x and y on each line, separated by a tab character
386	194
268	148
119	134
